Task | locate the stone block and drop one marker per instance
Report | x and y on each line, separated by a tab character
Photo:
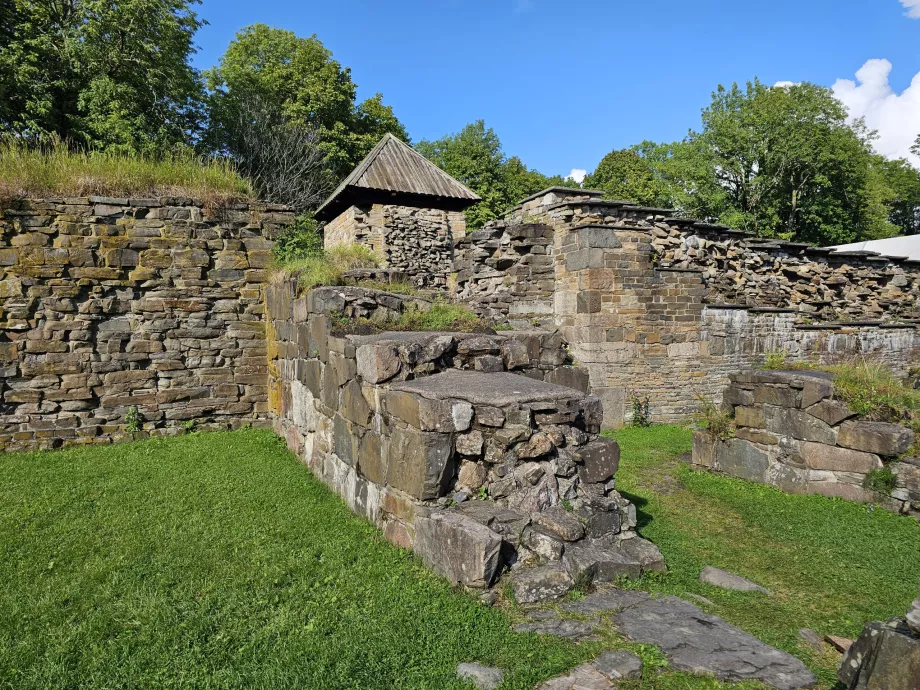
750	417
598	460
546	583
590	562
458	548
419	462
570	377
739	458
353	406
831	412
876	437
560	523
885	657
818	456
547	546
378	363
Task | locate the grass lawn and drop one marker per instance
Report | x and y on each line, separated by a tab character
216	560
832	565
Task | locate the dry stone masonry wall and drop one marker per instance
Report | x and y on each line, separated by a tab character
667	307
464	447
795	434
416	241
113	305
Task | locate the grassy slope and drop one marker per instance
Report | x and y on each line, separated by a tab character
832	565
218	561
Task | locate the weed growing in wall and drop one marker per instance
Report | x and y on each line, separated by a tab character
133	421
881	481
718	422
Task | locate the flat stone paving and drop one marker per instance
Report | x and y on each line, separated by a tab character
693	641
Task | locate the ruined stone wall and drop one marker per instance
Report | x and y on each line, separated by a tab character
795	434
460	446
110	305
418	242
649	305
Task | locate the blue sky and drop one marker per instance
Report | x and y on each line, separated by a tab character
563	83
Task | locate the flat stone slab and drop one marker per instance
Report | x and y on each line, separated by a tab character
559	627
483	677
619	664
495	389
695	641
584	677
726	580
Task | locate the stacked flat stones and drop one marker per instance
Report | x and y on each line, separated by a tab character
111	305
795	434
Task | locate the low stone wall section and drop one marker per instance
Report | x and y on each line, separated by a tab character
112	305
463	447
795	434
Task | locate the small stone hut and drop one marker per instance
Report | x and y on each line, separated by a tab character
404	207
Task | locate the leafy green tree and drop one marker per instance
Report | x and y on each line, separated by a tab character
915	149
475	157
298	78
780	162
624	174
903	198
112	75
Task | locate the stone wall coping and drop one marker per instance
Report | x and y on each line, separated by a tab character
565	190
772	310
669	269
148	202
726	306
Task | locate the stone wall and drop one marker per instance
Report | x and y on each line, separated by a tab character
795	434
416	241
460	446
110	305
668	307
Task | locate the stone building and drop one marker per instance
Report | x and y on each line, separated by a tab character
404	207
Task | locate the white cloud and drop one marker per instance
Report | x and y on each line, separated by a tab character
577	175
912	7
895	116
784	84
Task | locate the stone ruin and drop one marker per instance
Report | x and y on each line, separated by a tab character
794	433
465	447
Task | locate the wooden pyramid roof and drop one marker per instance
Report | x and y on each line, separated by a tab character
394	173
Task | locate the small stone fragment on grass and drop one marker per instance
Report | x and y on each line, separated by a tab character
698	598
483	677
812	639
584	677
841	644
559	627
619	664
726	580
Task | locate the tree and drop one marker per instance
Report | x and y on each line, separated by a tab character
915	149
283	160
780	162
903	194
112	75
474	156
298	78
624	174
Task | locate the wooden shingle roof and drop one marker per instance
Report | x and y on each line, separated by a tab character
394	173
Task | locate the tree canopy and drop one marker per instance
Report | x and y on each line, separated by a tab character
298	79
113	75
475	157
780	162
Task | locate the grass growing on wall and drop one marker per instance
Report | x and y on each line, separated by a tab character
832	565
53	169
327	267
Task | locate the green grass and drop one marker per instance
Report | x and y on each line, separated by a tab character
216	560
55	170
329	267
832	565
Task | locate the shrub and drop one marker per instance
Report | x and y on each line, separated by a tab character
881	481
51	168
719	423
775	359
871	389
329	268
641	413
300	240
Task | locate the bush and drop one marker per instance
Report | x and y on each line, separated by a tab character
641	413
872	391
719	423
51	168
329	268
300	240
775	359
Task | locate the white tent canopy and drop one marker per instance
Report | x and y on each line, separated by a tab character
908	246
